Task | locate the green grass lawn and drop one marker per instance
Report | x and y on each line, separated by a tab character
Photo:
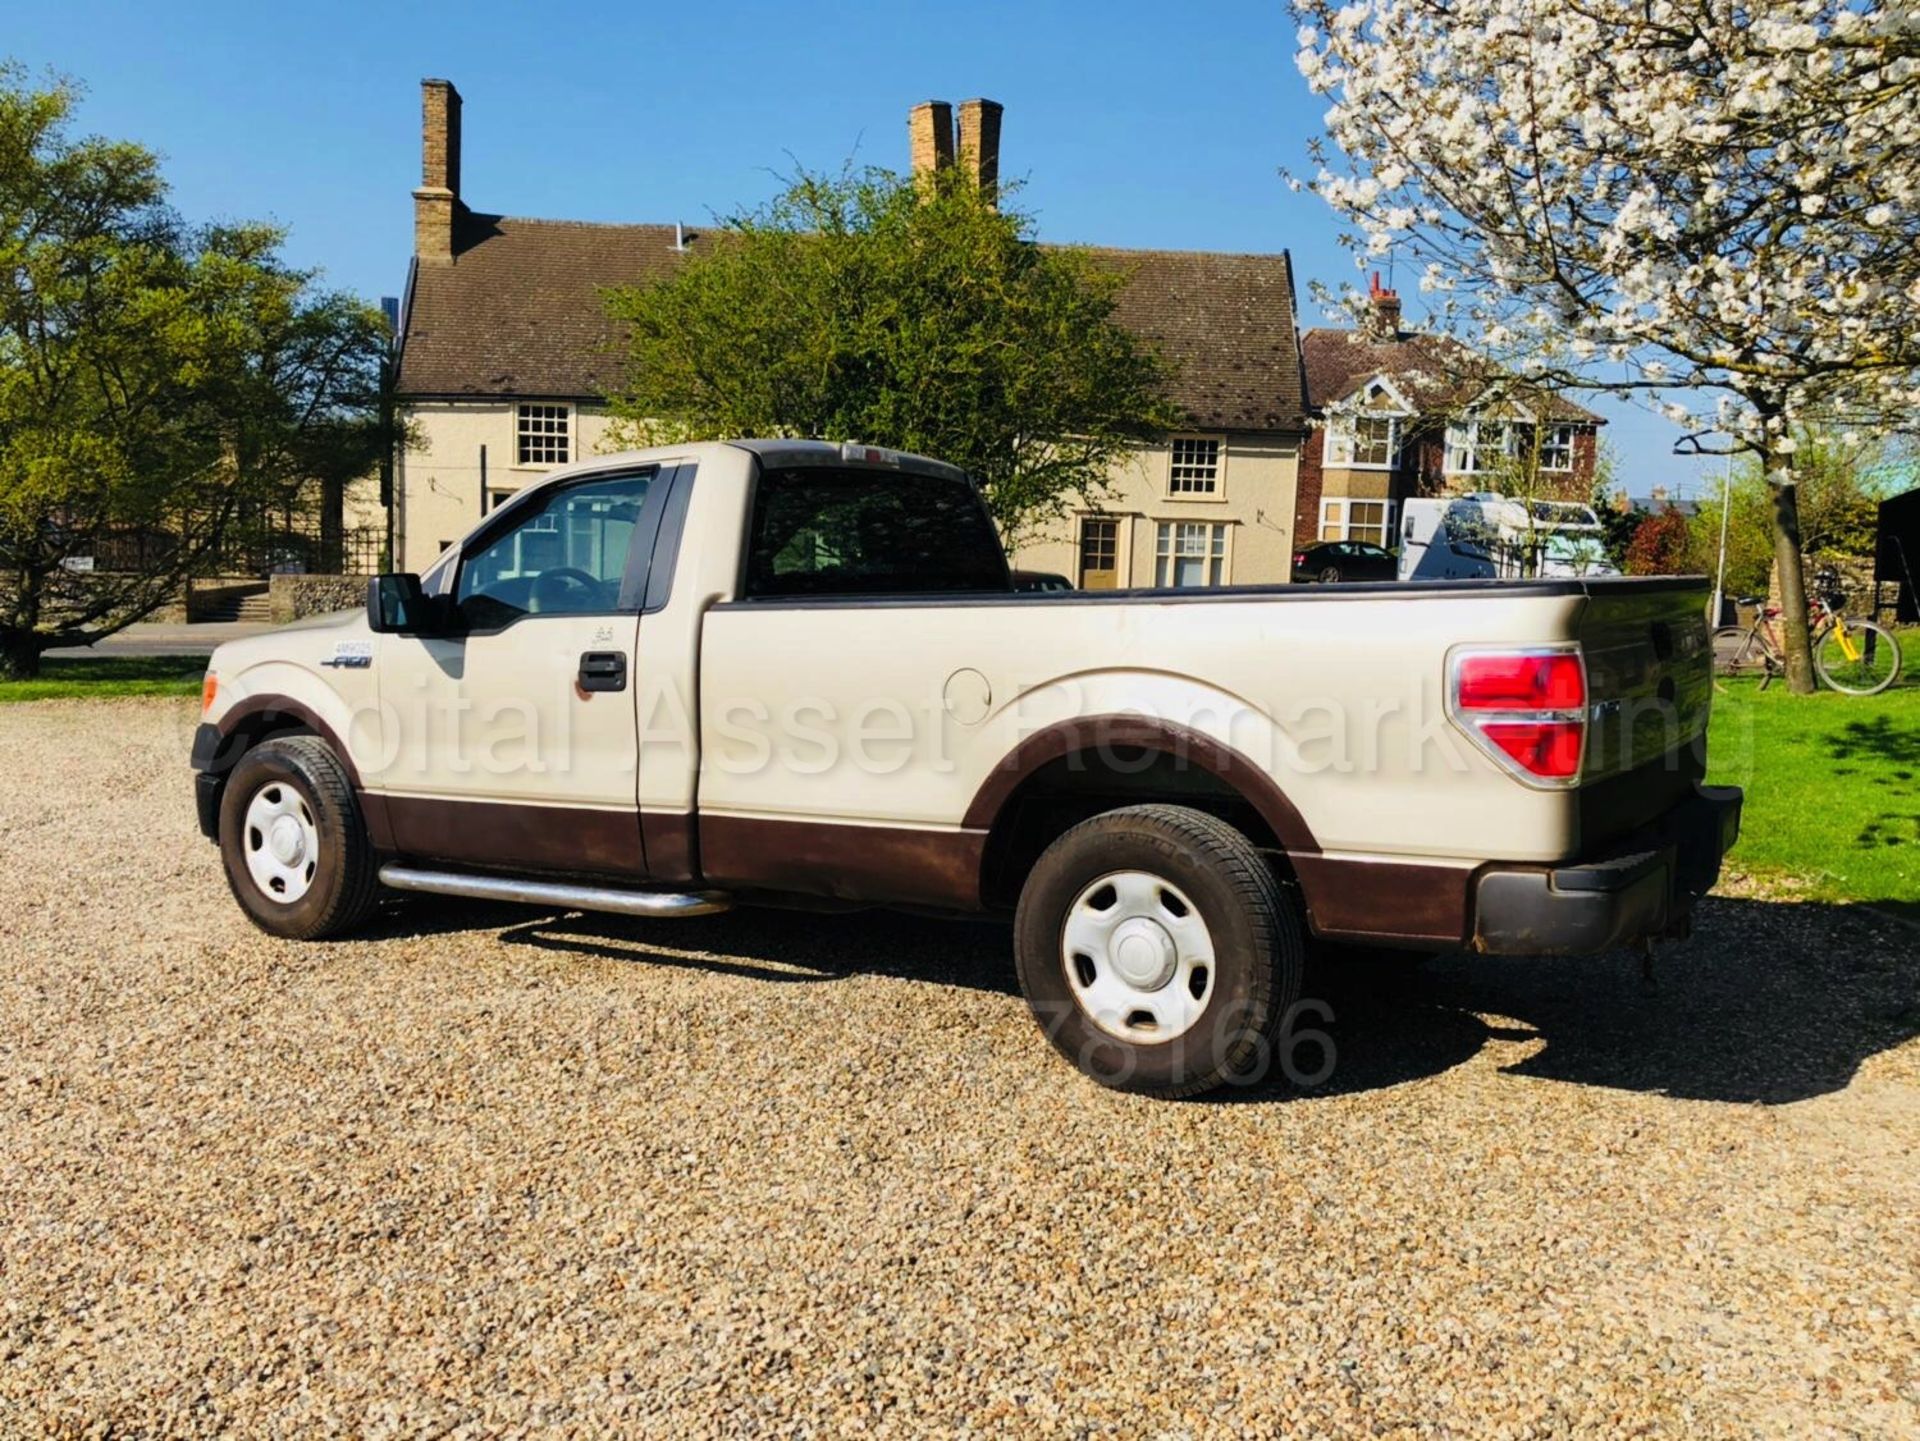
103	676
1833	786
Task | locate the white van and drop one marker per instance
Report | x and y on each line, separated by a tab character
1484	536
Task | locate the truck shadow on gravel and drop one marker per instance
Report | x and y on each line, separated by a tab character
782	947
1768	1003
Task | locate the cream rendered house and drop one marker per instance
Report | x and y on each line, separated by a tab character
506	354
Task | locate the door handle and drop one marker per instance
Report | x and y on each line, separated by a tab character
603	670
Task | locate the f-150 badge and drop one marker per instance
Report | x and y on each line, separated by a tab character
351	655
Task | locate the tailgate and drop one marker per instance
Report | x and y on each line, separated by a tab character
1650	685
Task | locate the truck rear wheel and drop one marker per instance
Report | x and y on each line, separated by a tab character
291	838
1157	950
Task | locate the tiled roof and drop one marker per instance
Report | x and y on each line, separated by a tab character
1226	323
1434	372
519	312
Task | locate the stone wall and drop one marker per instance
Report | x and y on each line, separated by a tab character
295	597
1859	596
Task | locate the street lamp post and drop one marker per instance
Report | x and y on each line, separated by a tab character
1726	511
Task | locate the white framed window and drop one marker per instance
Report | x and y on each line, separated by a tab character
1474	446
542	434
1189	552
1556	447
1342	518
1194	467
1363	442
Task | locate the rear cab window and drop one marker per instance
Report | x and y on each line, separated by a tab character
826	531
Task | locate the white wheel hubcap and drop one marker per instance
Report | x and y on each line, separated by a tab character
282	843
1138	957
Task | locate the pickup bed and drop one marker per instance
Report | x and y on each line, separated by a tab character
666	682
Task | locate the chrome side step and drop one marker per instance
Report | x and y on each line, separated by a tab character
556	894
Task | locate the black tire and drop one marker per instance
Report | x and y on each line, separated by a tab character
1258	950
344	877
1330	575
1874	666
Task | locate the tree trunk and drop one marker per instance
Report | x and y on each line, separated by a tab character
19	654
1793	585
19	645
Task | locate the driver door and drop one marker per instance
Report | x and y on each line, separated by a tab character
512	741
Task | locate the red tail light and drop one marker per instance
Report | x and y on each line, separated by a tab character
1548	749
1495	680
1299	557
1525	708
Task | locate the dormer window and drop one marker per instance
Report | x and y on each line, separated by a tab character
1364	442
1366	433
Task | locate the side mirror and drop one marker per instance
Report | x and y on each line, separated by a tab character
396	605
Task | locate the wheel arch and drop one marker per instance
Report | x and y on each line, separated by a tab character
253	720
1062	775
257	718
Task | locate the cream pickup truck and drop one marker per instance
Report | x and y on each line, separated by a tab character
671	681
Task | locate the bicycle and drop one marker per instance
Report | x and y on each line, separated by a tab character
1852	655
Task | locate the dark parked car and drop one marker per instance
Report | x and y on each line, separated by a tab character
1040	580
1335	560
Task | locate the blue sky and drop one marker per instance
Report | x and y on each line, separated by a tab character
1131	124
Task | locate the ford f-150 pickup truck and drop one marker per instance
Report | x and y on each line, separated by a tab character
666	682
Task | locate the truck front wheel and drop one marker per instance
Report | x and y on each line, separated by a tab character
1157	950
295	850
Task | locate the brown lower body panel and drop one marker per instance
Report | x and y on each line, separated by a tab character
884	864
1351	900
515	836
673	846
1385	901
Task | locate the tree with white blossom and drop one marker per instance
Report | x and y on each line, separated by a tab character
1713	205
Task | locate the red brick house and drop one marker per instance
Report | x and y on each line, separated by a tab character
1399	414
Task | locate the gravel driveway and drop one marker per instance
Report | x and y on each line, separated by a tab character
491	1171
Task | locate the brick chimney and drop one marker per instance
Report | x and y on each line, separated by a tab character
1384	321
437	202
930	136
978	143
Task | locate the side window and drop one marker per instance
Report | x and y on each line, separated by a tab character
824	532
566	555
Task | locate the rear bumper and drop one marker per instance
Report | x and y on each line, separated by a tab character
1642	889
